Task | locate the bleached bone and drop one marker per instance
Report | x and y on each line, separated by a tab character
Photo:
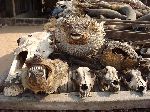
38	43
135	81
84	80
108	79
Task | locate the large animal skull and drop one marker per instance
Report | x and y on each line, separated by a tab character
38	43
135	81
84	80
108	79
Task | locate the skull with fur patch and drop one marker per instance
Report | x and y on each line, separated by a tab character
108	79
135	81
29	45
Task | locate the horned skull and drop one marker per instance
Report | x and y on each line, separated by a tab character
135	81
84	80
108	79
38	43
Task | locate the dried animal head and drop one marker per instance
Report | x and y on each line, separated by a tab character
79	36
135	81
119	55
44	75
84	80
108	79
38	43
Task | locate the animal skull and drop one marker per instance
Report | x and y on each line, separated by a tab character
84	80
108	79
135	81
38	43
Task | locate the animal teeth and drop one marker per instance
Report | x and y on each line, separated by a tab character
29	74
32	68
39	67
44	72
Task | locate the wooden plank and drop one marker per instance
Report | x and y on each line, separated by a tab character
14	9
69	101
123	21
127	35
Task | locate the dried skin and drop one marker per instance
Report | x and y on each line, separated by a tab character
119	55
79	36
57	71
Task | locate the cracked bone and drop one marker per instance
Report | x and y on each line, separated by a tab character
84	80
37	43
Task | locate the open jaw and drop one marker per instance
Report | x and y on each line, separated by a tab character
38	70
75	36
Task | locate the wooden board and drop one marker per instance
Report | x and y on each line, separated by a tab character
70	101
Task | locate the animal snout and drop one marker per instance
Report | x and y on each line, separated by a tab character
84	87
115	82
141	88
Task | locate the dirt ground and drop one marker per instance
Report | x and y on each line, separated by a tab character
8	42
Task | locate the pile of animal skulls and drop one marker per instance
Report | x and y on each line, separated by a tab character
81	37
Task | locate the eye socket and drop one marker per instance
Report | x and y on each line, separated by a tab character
84	87
115	82
105	85
144	78
129	78
140	88
43	51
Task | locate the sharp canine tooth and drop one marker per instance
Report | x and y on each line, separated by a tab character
29	74
44	73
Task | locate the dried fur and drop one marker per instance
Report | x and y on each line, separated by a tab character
57	71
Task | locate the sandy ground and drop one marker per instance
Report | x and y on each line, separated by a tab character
8	42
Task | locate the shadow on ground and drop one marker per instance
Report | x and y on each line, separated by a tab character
5	63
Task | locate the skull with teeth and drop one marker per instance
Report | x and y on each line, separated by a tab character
84	81
108	79
79	36
38	43
45	75
135	81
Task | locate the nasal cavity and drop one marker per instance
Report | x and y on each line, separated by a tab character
140	88
115	82
84	87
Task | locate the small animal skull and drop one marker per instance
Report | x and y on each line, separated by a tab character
38	43
108	79
84	80
135	81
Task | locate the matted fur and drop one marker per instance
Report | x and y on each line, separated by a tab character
57	71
